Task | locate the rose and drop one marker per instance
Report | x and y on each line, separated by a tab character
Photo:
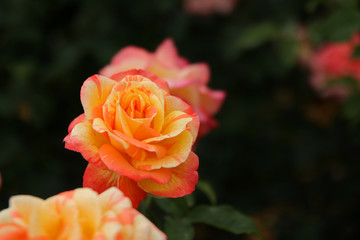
334	61
135	136
207	7
186	81
75	215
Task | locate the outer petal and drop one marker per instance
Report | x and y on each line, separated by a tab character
55	218
211	100
182	182
94	92
128	58
167	54
100	180
11	231
23	204
144	229
85	140
79	119
117	163
176	104
114	199
199	72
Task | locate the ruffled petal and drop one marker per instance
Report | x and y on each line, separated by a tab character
85	140
176	104
167	54
11	231
178	149
148	75
183	180
211	100
94	92
127	58
175	123
117	163
100	180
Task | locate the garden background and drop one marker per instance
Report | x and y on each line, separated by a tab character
282	154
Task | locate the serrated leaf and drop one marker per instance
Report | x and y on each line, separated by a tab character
226	218
206	188
179	229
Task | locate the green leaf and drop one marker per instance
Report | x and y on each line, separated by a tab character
176	206
226	218
178	229
206	188
256	35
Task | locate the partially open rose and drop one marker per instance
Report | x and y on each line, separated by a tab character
135	136
186	81
74	215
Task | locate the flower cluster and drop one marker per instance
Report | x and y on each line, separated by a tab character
78	214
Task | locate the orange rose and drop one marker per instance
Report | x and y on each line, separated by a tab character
135	136
186	81
80	214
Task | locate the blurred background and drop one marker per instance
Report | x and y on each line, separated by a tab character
283	154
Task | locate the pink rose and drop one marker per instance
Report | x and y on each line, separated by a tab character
334	61
186	81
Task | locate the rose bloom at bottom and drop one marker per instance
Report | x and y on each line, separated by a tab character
80	214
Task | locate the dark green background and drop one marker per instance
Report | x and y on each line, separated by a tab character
281	154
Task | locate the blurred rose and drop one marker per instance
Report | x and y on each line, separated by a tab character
186	81
334	61
78	214
135	136
207	7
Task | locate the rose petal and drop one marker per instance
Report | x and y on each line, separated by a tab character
100	180
176	104
11	231
85	140
77	120
94	92
178	149
125	143
128	58
175	123
148	75
117	163
198	72
211	100
183	180
167	54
